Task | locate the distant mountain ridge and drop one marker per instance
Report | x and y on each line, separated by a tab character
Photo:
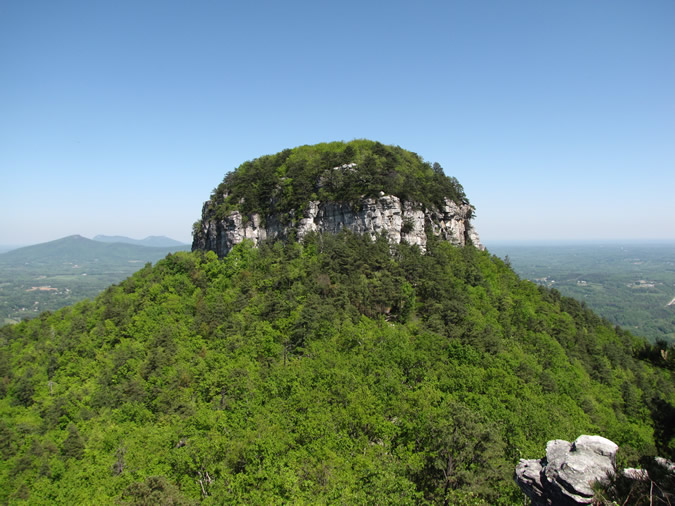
154	241
54	274
76	248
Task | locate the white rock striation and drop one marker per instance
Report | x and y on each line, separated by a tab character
400	221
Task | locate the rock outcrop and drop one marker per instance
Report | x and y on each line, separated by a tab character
566	474
387	214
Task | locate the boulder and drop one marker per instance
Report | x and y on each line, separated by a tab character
565	476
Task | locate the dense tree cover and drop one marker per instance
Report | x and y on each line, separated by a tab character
336	370
284	183
629	284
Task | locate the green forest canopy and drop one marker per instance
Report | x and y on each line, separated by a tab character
337	369
284	183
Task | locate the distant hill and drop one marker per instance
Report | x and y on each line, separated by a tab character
77	249
54	274
156	241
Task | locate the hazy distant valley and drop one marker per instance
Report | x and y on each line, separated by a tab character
49	276
632	285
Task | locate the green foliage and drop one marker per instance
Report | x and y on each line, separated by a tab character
630	284
658	488
284	183
336	370
73	445
154	490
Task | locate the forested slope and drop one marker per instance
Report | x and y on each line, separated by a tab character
336	370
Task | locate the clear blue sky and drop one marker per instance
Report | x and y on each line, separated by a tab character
120	117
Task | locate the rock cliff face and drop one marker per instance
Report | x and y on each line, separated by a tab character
566	474
400	221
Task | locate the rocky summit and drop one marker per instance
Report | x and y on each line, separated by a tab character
373	193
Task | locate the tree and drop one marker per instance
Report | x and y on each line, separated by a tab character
73	445
154	490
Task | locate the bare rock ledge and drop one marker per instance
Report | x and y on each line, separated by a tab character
400	221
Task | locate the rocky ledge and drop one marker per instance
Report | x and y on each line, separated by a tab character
566	474
400	221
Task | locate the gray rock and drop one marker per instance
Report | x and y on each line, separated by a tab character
665	464
566	474
399	221
636	474
528	477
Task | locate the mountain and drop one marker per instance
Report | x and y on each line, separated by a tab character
361	186
55	274
155	241
339	368
78	249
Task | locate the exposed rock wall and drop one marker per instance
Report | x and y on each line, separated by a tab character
400	221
